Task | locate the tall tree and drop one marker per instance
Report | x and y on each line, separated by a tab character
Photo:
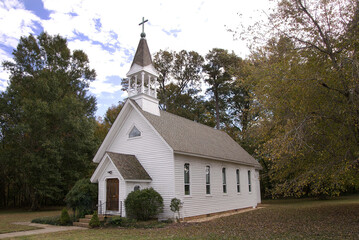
180	82
47	120
219	78
308	90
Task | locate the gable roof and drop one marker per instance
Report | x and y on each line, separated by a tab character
191	138
129	166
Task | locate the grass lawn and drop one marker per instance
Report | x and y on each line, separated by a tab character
280	219
9	216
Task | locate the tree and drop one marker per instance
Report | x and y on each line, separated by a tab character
179	80
104	125
47	120
82	198
219	78
308	94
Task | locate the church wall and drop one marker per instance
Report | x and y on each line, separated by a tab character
154	155
198	202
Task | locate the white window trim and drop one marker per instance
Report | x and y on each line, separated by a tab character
238	184
205	180
189	184
249	179
226	184
128	132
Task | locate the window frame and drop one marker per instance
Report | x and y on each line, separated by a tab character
131	129
188	184
224	180
238	180
249	181
208	183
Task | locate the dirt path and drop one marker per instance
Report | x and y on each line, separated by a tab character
45	228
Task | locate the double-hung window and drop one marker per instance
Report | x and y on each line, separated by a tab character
249	181
224	181
186	179
238	181
208	180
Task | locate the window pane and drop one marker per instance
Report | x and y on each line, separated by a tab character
237	173
249	181
238	181
134	132
208	173
208	189
224	180
186	179
224	188
186	190
186	173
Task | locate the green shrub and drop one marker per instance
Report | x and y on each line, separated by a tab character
82	198
144	204
54	220
121	221
95	221
65	218
176	206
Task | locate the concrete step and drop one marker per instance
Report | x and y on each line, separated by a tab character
81	224
100	217
85	220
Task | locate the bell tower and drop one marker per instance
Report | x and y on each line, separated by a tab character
142	77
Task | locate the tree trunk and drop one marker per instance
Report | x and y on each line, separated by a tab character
217	106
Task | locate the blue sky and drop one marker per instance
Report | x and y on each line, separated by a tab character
108	31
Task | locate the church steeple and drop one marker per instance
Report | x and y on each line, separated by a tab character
142	77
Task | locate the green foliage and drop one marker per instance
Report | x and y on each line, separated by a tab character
82	198
65	218
54	220
95	221
144	204
104	125
176	206
307	87
47	122
121	221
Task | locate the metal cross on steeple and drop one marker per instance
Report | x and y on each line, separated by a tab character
143	34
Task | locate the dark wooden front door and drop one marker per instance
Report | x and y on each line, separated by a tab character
112	194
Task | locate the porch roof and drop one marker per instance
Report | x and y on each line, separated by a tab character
129	166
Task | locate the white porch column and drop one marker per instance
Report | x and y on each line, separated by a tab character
155	87
136	84
149	85
143	82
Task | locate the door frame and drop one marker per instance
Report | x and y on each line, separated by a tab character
105	196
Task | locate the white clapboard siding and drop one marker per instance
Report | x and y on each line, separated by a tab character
152	152
198	203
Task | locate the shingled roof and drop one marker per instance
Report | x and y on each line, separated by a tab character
143	55
129	166
189	137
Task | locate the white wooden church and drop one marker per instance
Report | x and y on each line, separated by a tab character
146	147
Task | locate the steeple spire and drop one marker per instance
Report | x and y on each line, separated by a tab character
142	77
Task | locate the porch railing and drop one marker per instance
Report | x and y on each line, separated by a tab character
102	208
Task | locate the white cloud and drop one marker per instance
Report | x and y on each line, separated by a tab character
15	22
202	25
